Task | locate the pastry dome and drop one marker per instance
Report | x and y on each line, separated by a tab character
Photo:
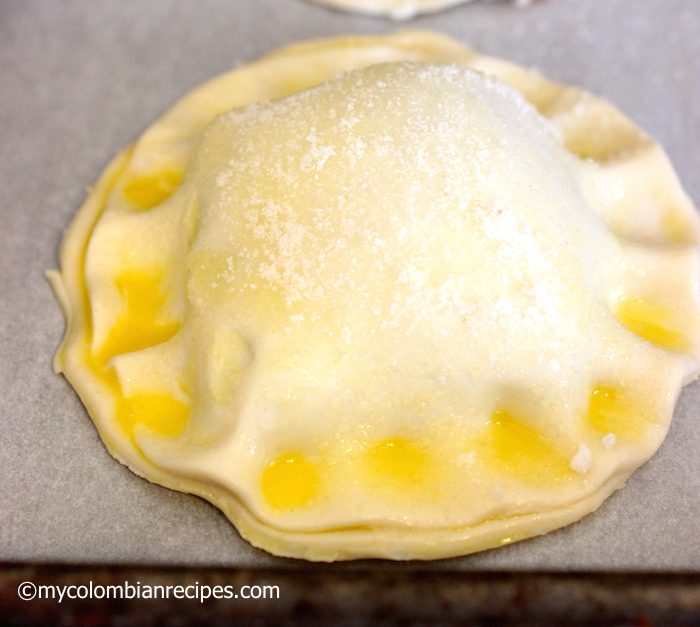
384	297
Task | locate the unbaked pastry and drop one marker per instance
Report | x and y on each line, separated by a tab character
395	9
384	297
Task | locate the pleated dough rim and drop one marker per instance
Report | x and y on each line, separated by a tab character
70	289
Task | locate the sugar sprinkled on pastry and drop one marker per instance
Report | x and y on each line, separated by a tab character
384	297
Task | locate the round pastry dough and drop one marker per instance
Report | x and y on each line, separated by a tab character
395	9
384	297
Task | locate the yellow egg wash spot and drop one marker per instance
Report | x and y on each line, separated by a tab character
611	411
149	191
107	374
522	451
676	227
652	321
585	149
290	481
398	460
158	412
141	327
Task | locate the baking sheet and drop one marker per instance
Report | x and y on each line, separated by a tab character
79	80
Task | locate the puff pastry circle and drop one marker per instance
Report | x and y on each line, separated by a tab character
384	297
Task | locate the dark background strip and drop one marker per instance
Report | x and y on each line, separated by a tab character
321	596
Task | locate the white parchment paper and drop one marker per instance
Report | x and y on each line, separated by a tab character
79	80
